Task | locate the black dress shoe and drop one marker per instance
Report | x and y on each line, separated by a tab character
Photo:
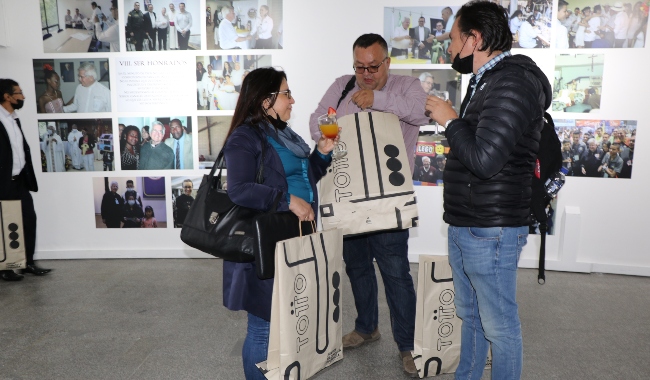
33	269
9	275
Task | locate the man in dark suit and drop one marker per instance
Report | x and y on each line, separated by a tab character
419	35
150	26
17	176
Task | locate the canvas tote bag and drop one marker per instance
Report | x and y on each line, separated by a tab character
437	327
12	251
370	189
306	326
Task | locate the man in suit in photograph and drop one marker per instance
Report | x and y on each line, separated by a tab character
181	144
150	26
420	35
17	176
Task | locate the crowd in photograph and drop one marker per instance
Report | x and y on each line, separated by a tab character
78	149
603	152
621	25
126	211
530	25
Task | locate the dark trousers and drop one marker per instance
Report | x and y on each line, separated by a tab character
619	43
137	39
152	39
394	52
264	43
183	41
162	39
18	192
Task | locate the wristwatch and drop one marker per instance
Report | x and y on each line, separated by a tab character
448	122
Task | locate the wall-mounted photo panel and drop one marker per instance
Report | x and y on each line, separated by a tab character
85	88
212	136
72	26
72	145
597	148
578	82
244	24
159	25
430	159
183	194
417	35
530	23
443	83
592	24
129	202
156	143
219	79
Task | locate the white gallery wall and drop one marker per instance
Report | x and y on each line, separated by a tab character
600	225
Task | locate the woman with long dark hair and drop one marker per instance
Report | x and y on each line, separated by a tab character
290	175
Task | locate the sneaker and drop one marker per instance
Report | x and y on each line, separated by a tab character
354	339
409	365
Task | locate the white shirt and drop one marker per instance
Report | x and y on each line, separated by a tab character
110	35
594	24
420	33
227	35
620	26
183	21
163	22
527	34
561	35
95	98
264	28
68	19
401	44
236	76
15	139
152	18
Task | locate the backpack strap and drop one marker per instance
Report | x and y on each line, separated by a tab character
349	86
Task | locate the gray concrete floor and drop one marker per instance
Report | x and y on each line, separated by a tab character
163	319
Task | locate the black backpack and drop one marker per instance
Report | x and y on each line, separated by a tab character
549	161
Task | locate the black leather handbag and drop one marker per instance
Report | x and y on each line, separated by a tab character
217	226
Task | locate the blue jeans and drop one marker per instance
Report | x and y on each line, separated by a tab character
256	347
390	249
484	266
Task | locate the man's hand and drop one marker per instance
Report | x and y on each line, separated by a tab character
363	99
439	110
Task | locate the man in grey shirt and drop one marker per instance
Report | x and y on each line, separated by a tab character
374	89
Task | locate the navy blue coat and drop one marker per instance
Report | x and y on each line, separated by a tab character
242	290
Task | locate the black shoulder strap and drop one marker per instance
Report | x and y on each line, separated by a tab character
349	86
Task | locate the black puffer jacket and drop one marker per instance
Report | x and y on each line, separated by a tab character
494	146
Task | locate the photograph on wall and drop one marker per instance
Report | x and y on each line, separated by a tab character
219	79
530	23
72	145
88	92
156	143
443	83
129	202
430	158
578	82
592	24
159	25
212	136
244	24
183	193
597	148
72	26
419	35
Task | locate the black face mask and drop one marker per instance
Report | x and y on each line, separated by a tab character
276	121
464	65
18	105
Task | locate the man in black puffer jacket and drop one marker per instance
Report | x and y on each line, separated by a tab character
487	178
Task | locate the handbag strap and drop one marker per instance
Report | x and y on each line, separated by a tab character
259	177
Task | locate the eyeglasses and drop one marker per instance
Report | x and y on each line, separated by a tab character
286	92
371	69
